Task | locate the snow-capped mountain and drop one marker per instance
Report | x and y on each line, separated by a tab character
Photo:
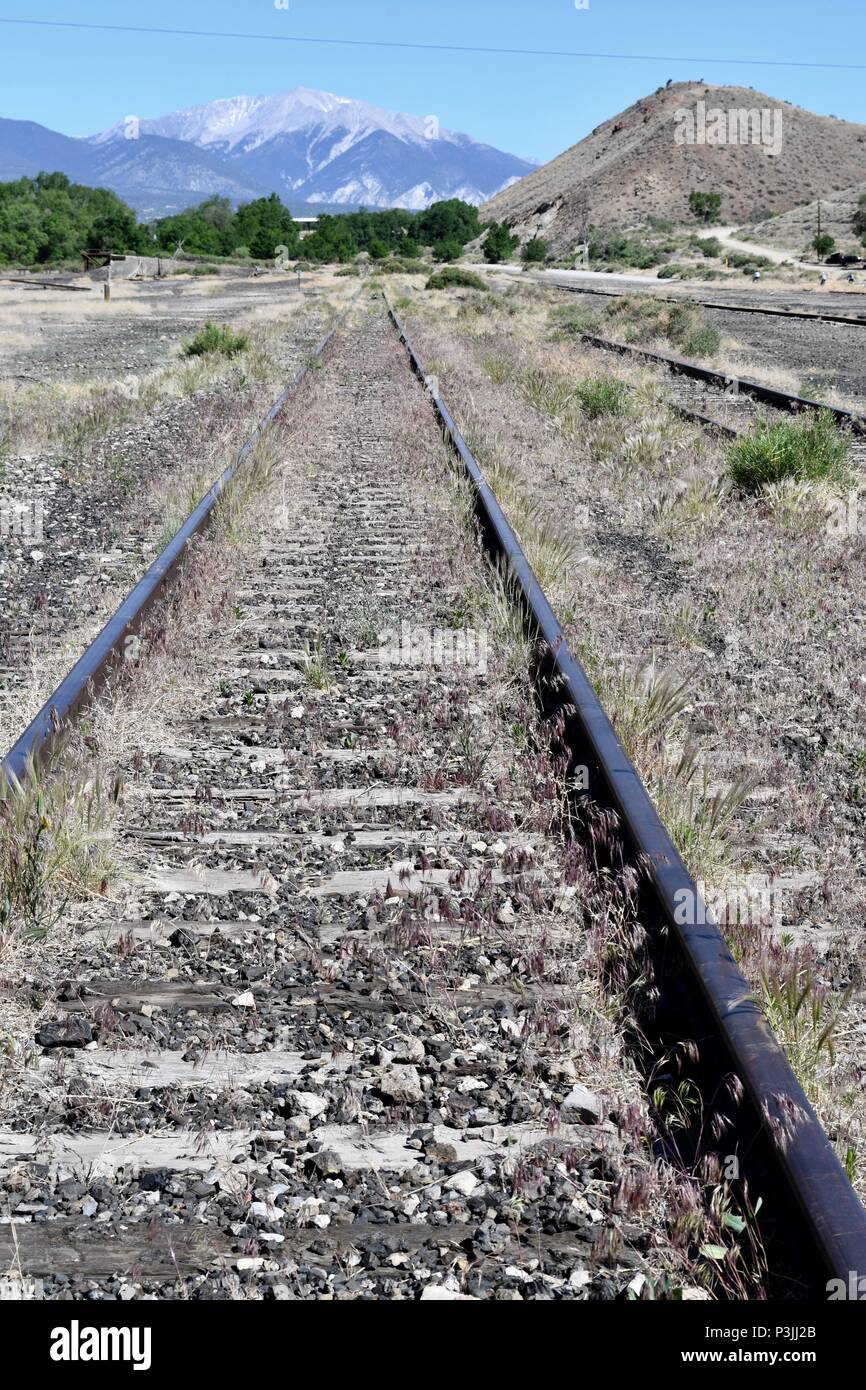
310	147
252	121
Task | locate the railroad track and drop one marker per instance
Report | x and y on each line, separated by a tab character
821	316
335	1051
730	404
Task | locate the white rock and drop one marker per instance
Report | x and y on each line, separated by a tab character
310	1103
464	1182
248	1262
245	1000
265	1211
401	1084
471	1083
408	1050
582	1104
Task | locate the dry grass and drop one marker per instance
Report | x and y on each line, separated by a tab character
56	845
748	608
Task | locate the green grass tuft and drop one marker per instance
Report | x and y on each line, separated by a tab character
212	339
602	396
808	449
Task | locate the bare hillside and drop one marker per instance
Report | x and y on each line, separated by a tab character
794	230
633	166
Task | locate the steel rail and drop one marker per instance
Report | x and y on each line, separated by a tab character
92	669
44	284
784	400
832	1238
818	315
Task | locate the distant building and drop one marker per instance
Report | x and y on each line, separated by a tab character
305	225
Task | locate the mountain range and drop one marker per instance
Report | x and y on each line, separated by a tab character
318	151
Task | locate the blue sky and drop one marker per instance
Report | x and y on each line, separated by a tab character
79	82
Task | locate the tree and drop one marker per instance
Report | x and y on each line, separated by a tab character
499	243
377	249
822	244
706	207
264	225
115	231
448	250
331	241
535	251
451	220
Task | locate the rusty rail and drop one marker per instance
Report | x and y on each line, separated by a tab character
808	1204
108	647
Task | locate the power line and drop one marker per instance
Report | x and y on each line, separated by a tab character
436	47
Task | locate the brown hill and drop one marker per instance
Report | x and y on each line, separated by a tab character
639	163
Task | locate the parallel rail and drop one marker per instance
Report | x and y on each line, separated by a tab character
771	395
809	1204
90	672
819	315
830	1236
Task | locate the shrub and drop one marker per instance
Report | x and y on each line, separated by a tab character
395	265
707	245
748	261
659	224
602	396
455	277
449	250
704	342
575	318
213	339
535	251
614	248
378	250
808	448
667	272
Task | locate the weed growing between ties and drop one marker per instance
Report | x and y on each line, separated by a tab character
56	833
810	448
54	847
711	1224
660	483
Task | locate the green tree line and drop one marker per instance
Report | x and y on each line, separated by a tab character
49	219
